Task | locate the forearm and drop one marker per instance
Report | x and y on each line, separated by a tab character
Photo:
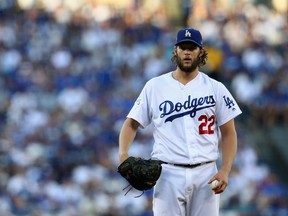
229	145
229	149
126	137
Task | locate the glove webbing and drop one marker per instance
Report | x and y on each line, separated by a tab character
131	187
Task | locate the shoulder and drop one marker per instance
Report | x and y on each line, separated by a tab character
210	81
207	78
159	80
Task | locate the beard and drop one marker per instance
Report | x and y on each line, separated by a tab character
190	68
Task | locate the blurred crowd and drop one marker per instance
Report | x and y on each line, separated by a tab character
67	81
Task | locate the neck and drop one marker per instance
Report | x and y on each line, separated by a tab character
184	77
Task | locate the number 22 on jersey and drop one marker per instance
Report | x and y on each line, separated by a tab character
206	124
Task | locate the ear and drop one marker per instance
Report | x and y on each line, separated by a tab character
175	50
201	52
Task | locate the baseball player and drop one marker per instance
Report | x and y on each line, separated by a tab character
191	114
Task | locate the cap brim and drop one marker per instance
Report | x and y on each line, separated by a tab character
188	40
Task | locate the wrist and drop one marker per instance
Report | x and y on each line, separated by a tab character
226	169
123	156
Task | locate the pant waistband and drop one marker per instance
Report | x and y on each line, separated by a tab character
187	165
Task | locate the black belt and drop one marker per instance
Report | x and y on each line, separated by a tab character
187	165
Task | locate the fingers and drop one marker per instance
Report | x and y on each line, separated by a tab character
222	178
220	187
213	179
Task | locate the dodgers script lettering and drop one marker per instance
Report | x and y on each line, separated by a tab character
190	107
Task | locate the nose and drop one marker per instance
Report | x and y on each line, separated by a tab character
187	51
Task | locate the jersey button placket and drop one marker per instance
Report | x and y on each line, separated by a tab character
188	127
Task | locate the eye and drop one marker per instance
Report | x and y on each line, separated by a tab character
189	47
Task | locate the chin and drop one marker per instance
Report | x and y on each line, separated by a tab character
188	69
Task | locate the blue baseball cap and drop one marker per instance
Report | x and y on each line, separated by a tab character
189	35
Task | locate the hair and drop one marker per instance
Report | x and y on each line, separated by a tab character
202	58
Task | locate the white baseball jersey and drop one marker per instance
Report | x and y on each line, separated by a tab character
185	118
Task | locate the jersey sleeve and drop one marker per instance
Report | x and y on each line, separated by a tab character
226	106
140	110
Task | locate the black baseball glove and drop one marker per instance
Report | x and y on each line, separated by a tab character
141	174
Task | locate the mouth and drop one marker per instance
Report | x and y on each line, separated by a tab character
187	60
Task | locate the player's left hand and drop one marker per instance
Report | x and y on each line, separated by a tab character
222	177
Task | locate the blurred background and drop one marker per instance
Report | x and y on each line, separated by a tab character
70	71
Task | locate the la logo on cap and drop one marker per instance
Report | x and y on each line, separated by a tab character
187	33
